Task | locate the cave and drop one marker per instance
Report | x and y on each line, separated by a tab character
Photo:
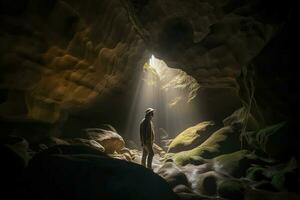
216	82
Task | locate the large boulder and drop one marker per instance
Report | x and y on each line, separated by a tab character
254	194
173	175
277	141
231	189
90	143
86	176
14	158
207	183
192	137
225	140
277	176
109	139
52	141
234	164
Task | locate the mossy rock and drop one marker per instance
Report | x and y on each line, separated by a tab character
234	164
224	140
192	137
287	176
207	183
231	189
276	140
241	116
256	173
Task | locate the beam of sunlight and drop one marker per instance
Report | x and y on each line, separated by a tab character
171	92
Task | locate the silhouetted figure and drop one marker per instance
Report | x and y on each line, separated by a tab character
147	138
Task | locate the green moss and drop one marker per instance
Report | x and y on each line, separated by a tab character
185	139
207	149
234	164
256	173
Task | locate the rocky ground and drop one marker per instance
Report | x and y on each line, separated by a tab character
202	162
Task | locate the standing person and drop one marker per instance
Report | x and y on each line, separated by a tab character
147	138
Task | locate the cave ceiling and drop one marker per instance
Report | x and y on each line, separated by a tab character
61	57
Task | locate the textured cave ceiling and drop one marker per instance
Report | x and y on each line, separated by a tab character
64	62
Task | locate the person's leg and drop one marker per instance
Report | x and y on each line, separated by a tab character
150	157
144	155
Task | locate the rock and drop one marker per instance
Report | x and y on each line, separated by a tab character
69	150
158	150
231	189
127	153
182	188
118	156
193	171
275	141
91	143
192	137
265	185
207	183
197	160
14	158
51	141
240	116
110	140
256	173
254	194
225	140
93	177
18	145
172	174
193	196
234	164
286	176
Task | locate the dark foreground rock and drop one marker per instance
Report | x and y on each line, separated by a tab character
14	157
87	176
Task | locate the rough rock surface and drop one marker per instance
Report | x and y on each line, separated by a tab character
234	164
224	140
276	140
173	175
91	143
231	189
192	137
244	117
110	140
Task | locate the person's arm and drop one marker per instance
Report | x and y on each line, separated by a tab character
141	134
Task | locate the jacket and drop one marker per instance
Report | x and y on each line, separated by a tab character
146	132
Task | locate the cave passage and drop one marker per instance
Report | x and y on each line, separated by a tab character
171	92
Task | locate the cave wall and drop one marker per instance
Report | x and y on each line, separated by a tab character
64	60
68	65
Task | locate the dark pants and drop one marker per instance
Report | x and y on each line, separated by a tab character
147	153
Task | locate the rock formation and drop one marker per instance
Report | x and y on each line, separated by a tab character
70	66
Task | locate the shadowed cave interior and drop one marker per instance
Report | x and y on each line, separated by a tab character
77	76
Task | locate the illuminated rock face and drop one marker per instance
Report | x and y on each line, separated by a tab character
74	62
60	57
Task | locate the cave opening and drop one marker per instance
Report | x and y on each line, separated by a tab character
171	92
